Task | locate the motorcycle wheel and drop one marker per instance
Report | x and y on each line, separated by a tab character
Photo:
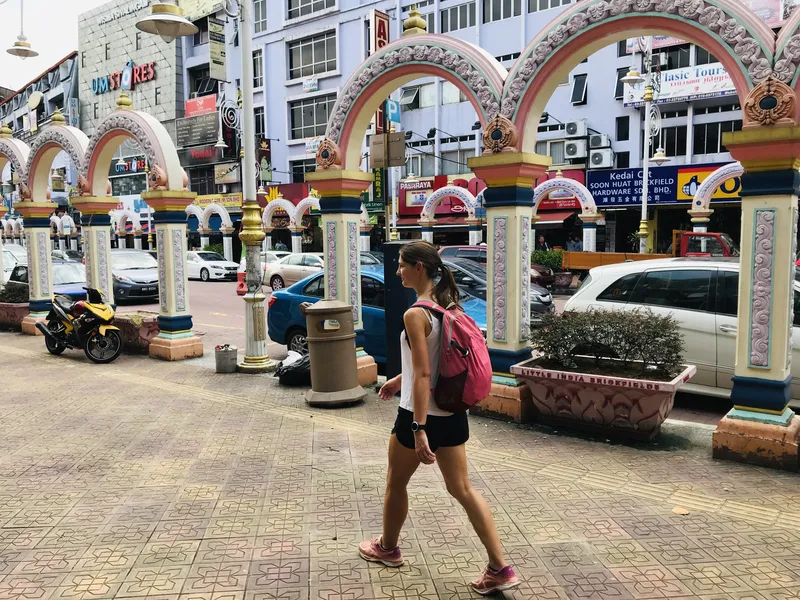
52	346
103	349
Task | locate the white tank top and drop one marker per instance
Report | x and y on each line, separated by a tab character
434	350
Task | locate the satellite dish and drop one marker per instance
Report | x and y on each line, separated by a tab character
35	100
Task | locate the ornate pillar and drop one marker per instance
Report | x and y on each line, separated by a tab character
340	205
62	243
137	240
204	241
590	232
37	242
427	230
96	228
175	340
475	234
73	242
761	429
508	199
3	211
227	242
297	238
700	219
365	241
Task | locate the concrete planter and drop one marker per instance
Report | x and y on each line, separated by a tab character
618	406
138	330
11	315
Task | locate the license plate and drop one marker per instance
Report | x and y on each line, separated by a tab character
149	289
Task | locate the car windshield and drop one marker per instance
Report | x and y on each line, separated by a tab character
65	273
475	269
73	254
132	260
731	244
211	256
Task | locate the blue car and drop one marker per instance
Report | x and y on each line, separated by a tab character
287	325
69	278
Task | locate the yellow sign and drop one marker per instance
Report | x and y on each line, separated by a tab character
690	178
224	200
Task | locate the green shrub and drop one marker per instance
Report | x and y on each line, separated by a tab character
547	258
14	294
218	248
638	343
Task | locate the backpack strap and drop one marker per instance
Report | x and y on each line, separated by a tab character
429	306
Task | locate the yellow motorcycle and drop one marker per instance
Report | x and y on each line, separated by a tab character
83	324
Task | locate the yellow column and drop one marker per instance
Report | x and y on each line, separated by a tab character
40	279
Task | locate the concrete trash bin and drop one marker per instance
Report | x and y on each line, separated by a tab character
226	357
331	346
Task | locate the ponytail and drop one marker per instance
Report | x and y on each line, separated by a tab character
446	291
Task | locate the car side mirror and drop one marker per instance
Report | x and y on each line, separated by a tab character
468	281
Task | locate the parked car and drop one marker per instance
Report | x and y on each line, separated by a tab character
702	294
74	255
13	255
292	268
69	278
540	275
135	275
371	257
471	278
268	257
206	265
287	325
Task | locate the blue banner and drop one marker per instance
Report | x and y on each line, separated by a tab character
623	187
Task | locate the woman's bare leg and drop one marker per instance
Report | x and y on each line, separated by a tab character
403	462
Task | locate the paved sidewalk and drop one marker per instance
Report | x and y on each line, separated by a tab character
165	480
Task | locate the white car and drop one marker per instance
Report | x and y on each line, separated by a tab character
292	268
701	294
13	255
209	265
268	257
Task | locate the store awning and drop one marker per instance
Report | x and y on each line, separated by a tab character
553	219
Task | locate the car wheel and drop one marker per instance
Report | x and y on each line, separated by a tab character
204	274
298	342
276	283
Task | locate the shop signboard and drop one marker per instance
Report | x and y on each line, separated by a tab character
196	131
194	10
123	11
202	155
379	186
264	156
201	106
224	200
216	49
73	114
130	165
313	143
685	85
226	173
310	84
690	178
126	79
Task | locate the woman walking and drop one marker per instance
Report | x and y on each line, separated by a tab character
423	433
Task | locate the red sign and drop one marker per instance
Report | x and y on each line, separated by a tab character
379	37
201	106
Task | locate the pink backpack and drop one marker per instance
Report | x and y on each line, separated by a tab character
465	371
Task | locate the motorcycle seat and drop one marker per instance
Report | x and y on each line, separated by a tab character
64	304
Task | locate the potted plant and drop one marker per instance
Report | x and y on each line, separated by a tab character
552	259
13	306
610	371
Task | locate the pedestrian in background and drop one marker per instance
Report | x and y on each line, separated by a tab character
542	244
423	433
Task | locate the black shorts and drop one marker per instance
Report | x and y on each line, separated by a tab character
442	431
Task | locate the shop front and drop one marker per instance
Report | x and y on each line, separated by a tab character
311	234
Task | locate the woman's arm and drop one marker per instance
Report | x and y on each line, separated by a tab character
416	323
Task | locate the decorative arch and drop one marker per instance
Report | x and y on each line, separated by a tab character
478	75
702	197
192	210
121	218
305	205
45	148
16	152
162	157
454	191
217	209
274	205
741	41
558	184
787	53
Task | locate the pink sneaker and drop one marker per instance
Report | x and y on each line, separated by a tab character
495	581
373	551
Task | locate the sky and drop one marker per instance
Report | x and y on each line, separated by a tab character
51	27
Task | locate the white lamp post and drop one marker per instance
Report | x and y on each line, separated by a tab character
22	47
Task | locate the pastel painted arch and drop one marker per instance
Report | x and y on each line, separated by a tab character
305	205
274	205
192	210
48	144
215	209
734	34
702	197
470	68
562	184
121	219
449	191
14	152
787	56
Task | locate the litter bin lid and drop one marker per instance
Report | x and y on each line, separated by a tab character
328	307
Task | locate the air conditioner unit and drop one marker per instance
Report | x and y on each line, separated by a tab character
575	149
193	95
601	159
599	140
577	128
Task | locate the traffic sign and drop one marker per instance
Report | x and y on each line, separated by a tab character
393	111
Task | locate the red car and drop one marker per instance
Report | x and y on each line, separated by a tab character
539	275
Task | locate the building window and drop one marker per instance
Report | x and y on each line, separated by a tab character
455	162
673	140
708	136
312	55
497	10
302	8
619	91
83	59
540	5
704	57
108	51
309	118
259	16
201	181
420	163
418	96
457	17
96	106
299	168
451	94
553	149
579	89
138	40
258	68
157	99
622	48
674	57
674	114
200	84
707	110
201	37
261	128
623	160
623	129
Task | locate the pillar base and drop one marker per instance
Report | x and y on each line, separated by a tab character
508	400
763	439
502	360
344	397
367	369
181	348
30	321
255	366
